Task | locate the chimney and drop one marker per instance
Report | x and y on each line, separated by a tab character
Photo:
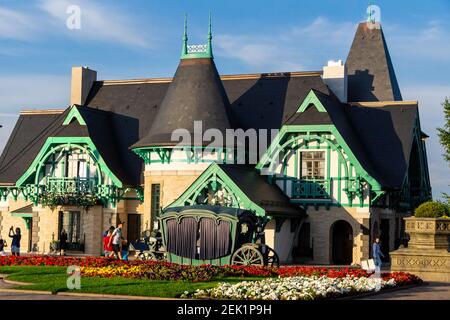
335	76
82	80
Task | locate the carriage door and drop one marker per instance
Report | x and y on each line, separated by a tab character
342	243
134	227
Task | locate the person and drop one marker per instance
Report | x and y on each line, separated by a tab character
377	254
116	241
107	247
15	244
2	247
125	249
63	242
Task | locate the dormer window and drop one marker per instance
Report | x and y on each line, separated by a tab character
313	165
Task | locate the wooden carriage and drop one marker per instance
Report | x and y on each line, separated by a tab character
214	235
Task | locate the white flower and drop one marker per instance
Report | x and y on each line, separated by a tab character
292	288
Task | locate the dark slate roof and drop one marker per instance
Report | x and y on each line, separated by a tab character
33	129
196	93
371	75
268	196
25	141
386	131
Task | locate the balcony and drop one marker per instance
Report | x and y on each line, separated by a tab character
311	189
72	185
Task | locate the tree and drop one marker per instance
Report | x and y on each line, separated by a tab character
444	136
444	133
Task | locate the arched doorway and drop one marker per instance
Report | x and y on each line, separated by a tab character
342	242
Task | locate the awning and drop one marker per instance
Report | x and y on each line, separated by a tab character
24	212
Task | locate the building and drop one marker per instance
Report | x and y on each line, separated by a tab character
348	160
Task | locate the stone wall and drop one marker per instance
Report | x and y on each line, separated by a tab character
173	184
321	221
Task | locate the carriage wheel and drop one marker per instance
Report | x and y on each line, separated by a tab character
247	256
147	256
272	258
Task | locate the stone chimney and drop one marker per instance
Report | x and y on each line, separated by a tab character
335	76
82	80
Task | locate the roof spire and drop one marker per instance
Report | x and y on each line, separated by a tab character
184	49
209	45
197	50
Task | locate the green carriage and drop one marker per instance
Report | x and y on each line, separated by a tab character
204	234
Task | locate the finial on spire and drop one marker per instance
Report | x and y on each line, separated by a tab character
197	50
371	13
209	45
184	49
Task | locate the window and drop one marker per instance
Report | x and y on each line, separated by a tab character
156	200
76	166
313	165
70	221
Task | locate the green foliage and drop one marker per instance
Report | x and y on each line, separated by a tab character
432	209
82	200
444	133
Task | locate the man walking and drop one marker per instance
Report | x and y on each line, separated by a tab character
377	254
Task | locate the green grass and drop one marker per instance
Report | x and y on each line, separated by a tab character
55	279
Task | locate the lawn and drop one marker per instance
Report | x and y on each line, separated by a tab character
54	279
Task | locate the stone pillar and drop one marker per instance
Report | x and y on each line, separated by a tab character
93	223
427	254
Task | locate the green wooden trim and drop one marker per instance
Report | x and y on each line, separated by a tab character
213	172
67	141
311	98
22	215
74	114
275	147
203	53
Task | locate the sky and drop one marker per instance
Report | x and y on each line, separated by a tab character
141	39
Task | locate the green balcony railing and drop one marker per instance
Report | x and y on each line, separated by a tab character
311	189
66	185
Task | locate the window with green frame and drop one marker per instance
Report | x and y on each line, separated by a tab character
313	165
156	200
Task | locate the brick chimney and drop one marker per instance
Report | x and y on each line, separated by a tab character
82	80
335	76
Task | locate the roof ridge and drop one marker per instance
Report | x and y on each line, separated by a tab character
41	111
384	103
293	74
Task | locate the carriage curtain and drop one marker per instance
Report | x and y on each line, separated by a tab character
214	239
182	237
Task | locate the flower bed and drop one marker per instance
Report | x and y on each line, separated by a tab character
107	268
293	288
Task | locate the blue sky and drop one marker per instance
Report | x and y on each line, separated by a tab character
138	39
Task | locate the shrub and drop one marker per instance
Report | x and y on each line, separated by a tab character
432	209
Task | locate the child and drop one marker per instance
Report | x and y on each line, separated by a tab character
2	247
125	249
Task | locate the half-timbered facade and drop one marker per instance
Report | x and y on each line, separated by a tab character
346	162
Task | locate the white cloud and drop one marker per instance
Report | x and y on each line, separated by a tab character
99	22
30	90
17	25
294	48
429	43
103	23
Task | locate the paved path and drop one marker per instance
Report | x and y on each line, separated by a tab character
431	291
36	296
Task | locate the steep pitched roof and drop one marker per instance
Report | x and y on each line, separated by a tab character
196	93
33	129
371	75
268	196
386	131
